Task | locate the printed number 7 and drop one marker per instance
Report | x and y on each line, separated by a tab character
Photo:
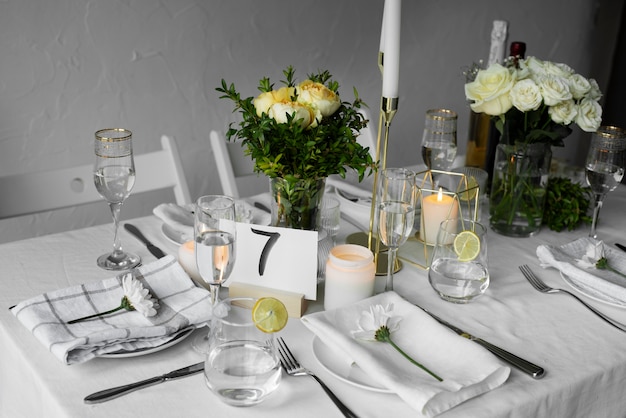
273	237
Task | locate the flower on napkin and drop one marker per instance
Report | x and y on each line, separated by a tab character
594	258
136	298
377	324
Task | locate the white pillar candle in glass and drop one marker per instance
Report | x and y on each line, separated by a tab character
350	274
436	208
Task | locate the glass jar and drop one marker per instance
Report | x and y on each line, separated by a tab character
350	275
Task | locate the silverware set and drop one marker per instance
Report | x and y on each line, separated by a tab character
539	285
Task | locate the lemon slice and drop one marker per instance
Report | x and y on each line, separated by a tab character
472	189
269	315
467	246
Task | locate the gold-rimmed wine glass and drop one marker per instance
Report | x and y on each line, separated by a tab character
605	165
114	177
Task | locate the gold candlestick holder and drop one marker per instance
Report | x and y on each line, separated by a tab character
388	109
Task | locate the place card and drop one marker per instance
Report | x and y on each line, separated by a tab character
277	258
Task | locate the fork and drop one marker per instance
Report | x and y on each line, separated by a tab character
293	368
539	285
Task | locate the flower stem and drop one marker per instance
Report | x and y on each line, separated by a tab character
389	340
615	271
73	321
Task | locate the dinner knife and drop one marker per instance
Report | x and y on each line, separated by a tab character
107	394
620	246
536	372
154	250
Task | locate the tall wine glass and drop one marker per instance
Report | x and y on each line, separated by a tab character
605	165
114	176
439	139
397	212
215	236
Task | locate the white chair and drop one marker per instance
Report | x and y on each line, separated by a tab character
236	170
30	193
368	137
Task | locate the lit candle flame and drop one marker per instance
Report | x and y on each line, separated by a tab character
440	195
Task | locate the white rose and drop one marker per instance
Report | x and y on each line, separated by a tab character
554	89
564	112
535	66
525	95
319	96
594	91
489	92
589	115
265	100
302	113
579	86
558	69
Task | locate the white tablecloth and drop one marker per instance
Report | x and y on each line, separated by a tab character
585	359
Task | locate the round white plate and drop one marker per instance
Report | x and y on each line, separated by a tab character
337	366
592	293
173	235
182	334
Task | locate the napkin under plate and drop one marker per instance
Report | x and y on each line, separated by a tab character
181	305
604	282
467	369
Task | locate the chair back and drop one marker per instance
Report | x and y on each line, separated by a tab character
236	170
30	193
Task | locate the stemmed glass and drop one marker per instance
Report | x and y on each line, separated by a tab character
114	177
439	139
397	212
215	235
605	165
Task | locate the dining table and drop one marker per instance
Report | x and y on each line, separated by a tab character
584	358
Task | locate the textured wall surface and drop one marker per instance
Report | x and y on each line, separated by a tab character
70	67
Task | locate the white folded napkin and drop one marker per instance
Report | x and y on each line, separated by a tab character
180	218
181	305
467	369
605	282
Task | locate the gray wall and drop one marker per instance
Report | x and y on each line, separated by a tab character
70	67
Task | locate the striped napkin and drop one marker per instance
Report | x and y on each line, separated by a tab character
181	305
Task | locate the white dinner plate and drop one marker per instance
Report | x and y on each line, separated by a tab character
173	235
338	367
593	293
182	334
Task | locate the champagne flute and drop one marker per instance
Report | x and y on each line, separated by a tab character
114	177
439	139
215	235
605	165
396	211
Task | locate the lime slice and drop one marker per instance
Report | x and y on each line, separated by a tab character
467	246
472	189
269	315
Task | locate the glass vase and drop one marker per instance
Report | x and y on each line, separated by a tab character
296	202
518	191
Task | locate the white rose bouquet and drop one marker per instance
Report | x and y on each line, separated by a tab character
533	103
538	100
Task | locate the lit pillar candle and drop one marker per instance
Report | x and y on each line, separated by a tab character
436	208
391	49
350	275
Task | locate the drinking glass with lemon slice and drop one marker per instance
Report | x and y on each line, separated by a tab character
242	366
458	270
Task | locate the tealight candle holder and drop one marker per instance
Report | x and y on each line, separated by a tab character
442	195
350	275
